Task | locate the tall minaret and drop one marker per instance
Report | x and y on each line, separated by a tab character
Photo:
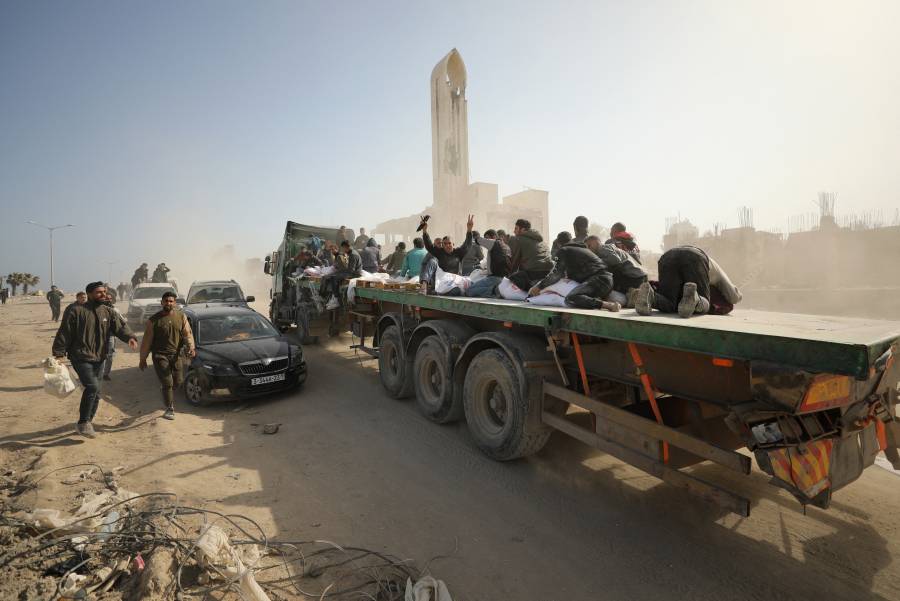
449	133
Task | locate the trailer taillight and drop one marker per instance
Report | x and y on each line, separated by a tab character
824	392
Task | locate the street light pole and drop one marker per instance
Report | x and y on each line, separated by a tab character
109	264
50	229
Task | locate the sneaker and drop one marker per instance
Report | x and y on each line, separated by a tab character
333	303
86	429
630	297
169	413
689	300
643	299
107	378
702	307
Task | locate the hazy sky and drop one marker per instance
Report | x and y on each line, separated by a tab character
164	129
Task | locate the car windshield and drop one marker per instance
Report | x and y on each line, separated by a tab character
215	294
150	292
229	328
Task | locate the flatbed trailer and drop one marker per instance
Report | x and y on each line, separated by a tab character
812	398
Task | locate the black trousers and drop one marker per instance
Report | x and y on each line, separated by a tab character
622	283
525	279
590	293
678	267
54	311
331	284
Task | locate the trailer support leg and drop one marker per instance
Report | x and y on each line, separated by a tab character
651	393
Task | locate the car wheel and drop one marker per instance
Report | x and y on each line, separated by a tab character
195	390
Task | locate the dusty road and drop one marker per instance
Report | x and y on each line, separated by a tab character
356	467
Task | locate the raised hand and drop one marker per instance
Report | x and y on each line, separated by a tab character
470	223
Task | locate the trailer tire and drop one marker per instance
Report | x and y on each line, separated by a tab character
394	369
496	411
433	382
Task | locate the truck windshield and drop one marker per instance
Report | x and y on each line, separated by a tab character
215	294
150	292
229	328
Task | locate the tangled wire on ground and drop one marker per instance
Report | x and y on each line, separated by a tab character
142	525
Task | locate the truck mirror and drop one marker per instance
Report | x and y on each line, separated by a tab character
250	299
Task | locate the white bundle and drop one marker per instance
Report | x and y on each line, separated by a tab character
510	291
555	295
57	379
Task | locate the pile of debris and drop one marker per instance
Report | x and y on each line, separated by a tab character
120	545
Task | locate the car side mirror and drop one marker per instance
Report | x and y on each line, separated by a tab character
267	266
180	301
250	299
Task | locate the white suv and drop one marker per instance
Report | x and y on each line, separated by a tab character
146	301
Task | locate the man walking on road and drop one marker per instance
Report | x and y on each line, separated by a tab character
83	337
111	303
54	297
167	332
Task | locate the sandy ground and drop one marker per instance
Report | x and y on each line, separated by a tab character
352	465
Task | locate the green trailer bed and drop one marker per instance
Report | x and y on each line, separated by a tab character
838	345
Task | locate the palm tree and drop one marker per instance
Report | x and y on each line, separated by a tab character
14	279
29	280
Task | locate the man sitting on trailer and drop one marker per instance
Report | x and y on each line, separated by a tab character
331	284
531	261
443	255
577	262
628	274
412	262
499	258
690	283
620	237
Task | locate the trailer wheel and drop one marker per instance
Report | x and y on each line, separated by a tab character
495	410
394	369
434	386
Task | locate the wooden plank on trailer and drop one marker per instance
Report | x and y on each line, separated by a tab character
710	492
701	448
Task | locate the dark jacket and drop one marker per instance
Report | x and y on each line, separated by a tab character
84	332
394	261
371	256
577	262
621	264
354	266
471	260
54	297
626	242
448	261
499	256
530	252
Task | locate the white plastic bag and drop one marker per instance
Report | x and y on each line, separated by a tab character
446	282
555	295
426	589
57	380
510	291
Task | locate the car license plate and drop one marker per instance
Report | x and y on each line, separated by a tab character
266	379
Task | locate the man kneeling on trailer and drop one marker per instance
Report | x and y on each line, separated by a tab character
580	264
690	283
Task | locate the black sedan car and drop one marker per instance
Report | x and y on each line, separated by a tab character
239	354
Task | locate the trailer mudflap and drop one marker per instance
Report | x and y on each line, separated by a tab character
813	471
